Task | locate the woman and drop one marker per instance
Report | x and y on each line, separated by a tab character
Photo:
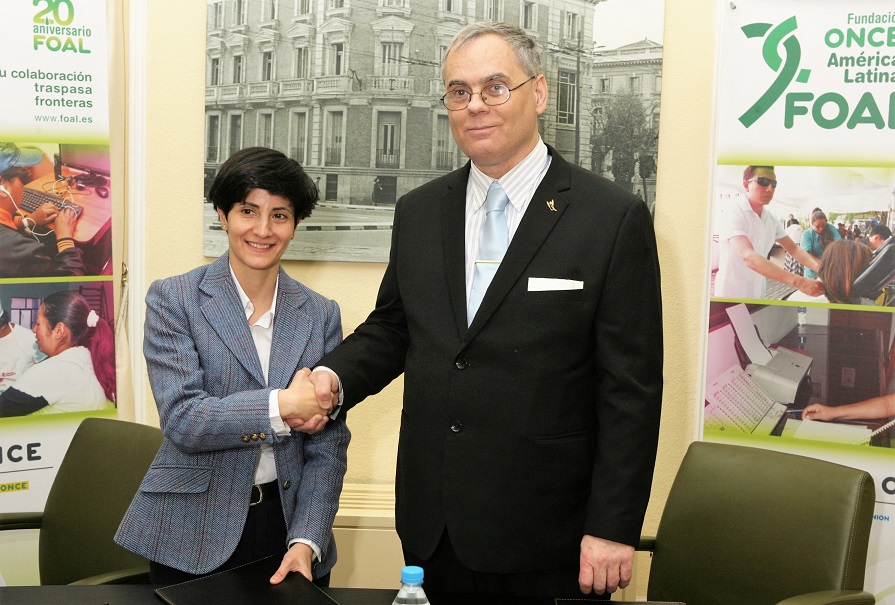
841	264
231	483
79	372
816	239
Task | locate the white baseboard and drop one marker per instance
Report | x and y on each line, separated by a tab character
370	553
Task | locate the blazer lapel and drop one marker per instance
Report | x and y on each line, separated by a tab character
453	238
545	209
291	332
226	316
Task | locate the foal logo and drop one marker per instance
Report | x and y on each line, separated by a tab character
787	67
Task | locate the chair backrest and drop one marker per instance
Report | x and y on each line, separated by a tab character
745	525
95	483
880	272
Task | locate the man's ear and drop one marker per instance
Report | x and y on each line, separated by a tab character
542	93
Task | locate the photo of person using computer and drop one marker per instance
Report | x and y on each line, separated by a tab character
55	214
773	368
869	409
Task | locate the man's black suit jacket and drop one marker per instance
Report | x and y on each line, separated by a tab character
538	423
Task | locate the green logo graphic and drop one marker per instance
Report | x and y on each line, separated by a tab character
787	70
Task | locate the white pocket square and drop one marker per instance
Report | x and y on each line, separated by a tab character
545	284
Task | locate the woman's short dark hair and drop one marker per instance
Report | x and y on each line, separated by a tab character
263	168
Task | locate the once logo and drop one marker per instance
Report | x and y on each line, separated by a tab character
889	485
787	67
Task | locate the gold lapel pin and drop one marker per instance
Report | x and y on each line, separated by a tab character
551	206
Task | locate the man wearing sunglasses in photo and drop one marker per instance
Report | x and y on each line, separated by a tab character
747	232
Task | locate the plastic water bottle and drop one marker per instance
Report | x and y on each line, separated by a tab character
411	592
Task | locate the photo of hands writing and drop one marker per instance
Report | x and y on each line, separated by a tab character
800	372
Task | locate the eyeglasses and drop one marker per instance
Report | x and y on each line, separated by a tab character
764	181
493	94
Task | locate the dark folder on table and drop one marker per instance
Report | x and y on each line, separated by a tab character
246	584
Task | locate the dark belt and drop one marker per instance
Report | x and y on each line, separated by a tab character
265	491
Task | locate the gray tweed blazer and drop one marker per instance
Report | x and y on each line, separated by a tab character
212	399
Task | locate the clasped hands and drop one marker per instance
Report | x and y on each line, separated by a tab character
306	404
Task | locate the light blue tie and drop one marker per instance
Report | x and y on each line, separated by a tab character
492	246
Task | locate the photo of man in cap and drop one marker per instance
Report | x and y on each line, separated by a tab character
40	244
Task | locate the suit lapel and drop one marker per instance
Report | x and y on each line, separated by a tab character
453	237
291	332
226	316
548	204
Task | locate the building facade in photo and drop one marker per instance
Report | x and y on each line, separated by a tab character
352	88
631	72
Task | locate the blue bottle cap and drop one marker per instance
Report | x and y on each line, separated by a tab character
412	575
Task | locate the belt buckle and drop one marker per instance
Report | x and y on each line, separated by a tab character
252	501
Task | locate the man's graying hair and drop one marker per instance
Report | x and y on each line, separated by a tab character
522	44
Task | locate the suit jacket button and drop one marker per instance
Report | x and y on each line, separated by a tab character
456	426
460	364
287	484
262	436
245	438
254	436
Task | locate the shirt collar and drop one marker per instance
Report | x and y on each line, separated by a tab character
6	219
265	320
479	182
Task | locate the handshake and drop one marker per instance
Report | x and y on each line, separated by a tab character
311	396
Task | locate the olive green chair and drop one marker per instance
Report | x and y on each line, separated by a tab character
94	485
749	526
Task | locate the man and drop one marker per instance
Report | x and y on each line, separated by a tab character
528	434
747	232
843	230
27	247
879	235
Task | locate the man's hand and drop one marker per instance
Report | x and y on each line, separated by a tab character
811	287
326	392
326	387
604	566
65	222
44	215
297	558
298	404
